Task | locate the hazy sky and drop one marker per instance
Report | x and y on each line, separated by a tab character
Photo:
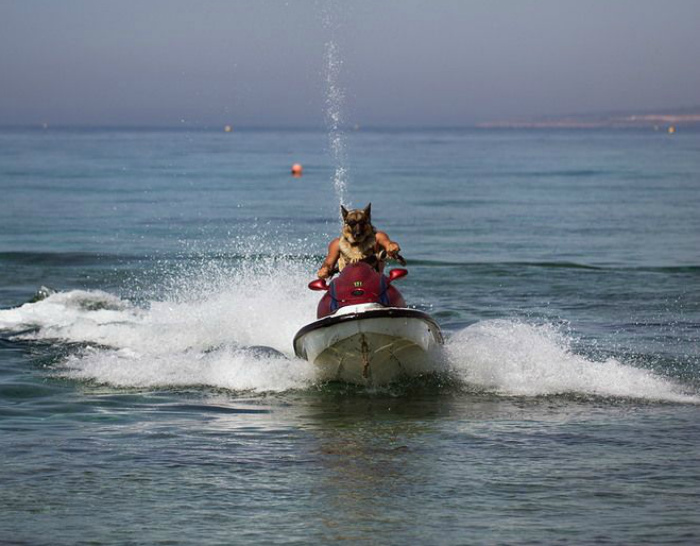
405	62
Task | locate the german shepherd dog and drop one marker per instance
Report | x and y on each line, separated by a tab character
358	242
358	238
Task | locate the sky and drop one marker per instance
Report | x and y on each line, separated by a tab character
263	63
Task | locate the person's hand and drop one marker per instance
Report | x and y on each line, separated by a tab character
324	272
393	249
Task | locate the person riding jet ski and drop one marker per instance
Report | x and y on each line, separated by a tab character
359	241
364	332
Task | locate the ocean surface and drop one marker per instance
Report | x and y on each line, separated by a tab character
141	272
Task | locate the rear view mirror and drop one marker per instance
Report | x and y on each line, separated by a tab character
318	284
397	273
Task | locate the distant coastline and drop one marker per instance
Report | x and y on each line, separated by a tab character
660	120
656	120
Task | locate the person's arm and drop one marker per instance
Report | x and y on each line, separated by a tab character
331	259
392	248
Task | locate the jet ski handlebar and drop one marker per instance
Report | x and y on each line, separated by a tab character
318	284
384	255
321	284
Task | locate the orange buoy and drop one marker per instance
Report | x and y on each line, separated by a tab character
297	170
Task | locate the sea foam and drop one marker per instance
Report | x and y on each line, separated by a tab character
197	336
517	358
231	326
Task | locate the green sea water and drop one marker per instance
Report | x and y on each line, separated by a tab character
563	266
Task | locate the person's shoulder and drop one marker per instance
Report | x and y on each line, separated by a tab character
381	235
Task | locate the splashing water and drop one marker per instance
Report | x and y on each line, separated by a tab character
335	98
228	321
515	358
209	332
231	327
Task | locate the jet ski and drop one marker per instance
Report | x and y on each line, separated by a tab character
365	334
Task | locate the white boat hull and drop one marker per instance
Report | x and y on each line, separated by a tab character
370	346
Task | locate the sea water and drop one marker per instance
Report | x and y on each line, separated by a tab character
151	283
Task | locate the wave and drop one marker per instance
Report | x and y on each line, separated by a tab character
205	333
563	173
517	358
87	258
230	326
54	258
693	269
477	265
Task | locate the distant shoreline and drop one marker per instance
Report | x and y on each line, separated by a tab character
658	122
646	120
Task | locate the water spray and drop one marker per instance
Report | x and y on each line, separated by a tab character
335	98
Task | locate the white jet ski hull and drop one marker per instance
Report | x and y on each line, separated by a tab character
370	346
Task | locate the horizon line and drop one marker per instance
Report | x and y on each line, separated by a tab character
482	126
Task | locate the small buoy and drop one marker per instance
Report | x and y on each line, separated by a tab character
297	170
671	130
228	128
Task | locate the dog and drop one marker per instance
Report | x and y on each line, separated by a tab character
358	238
359	241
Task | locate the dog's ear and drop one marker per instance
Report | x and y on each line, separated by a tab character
343	212
368	212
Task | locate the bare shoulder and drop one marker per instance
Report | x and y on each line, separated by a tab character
381	237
